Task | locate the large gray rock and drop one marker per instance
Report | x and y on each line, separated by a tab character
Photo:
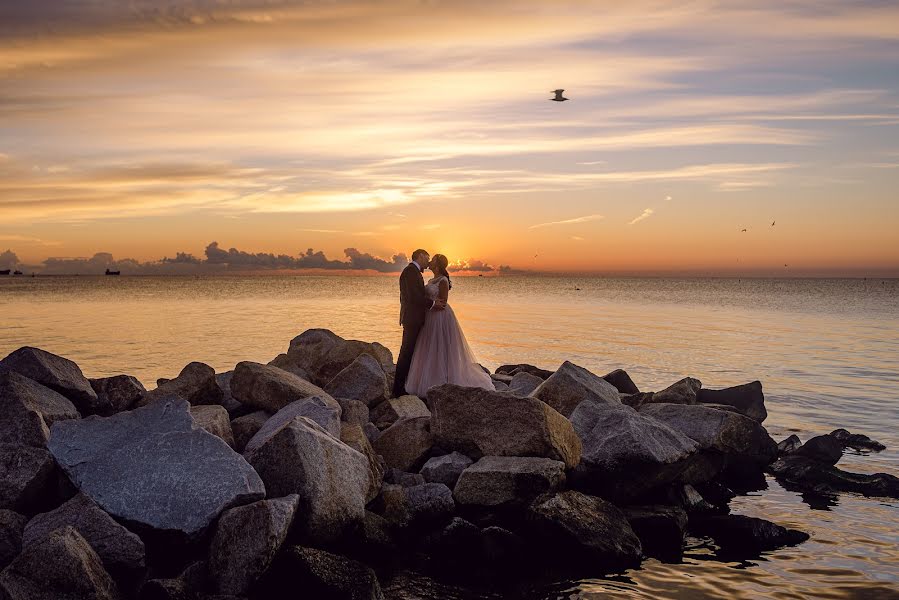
57	373
480	423
322	410
445	469
748	399
405	407
363	380
570	385
587	527
127	462
823	448
407	444
229	402
857	441
117	393
214	419
324	354
354	437
245	543
524	383
121	551
61	566
321	574
523	368
28	409
506	481
746	535
309	349
625	453
195	383
191	584
417	505
331	479
680	392
287	362
353	411
245	427
269	388
814	475
27	476
12	525
622	381
788	444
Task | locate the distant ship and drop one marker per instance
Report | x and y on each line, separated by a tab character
17	272
4	272
108	272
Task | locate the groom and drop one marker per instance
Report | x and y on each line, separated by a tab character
414	305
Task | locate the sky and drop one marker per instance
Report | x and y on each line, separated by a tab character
143	129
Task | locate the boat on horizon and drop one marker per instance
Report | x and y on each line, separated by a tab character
4	272
108	272
17	272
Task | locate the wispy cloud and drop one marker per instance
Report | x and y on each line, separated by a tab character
321	230
584	219
647	212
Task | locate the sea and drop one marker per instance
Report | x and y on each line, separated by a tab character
825	350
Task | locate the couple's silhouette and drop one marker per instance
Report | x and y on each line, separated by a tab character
434	349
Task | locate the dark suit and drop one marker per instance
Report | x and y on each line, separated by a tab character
414	306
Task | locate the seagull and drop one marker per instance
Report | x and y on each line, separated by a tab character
559	97
772	223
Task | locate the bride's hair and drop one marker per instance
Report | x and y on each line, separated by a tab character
441	262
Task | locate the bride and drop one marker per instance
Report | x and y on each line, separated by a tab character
442	354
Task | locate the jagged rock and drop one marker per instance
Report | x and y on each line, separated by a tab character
857	441
637	399
406	444
747	398
480	423
121	551
501	378
740	533
128	461
310	347
571	385
823	448
523	383
686	497
245	427
363	379
458	543
321	575
445	469
28	409
788	445
810	474
353	411
371	432
626	454
214	419
229	402
503	548
679	392
117	393
621	381
499	386
57	373
270	388
524	368
331	479
323	410
661	530
195	383
585	527
418	504
374	540
26	476
12	524
402	478
61	566
405	407
287	362
246	540
324	354
354	437
191	584
505	481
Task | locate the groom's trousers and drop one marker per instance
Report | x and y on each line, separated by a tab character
404	360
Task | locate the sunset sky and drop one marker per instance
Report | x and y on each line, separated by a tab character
151	127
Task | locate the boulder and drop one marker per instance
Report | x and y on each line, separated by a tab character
739	534
214	419
523	383
626	454
417	505
584	528
287	362
363	380
321	574
331	479
117	393
127	462
191	584
12	525
857	441
661	529
27	476
323	354
508	481
322	410
480	423
269	388
57	373
308	349
121	551
621	381
524	368
788	445
688	498
371	432
244	428
637	399
28	409
571	385
245	543
195	383
406	444
353	411
445	469
813	475
229	402
823	448
405	407
680	392
61	565
499	386
354	437
501	378
747	398
402	478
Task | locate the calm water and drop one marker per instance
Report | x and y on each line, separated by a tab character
827	352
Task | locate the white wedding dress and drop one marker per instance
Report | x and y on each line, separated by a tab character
442	354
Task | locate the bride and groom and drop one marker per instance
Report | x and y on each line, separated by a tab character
434	350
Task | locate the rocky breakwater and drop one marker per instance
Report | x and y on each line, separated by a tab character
302	476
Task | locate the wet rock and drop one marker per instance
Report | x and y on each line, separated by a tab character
406	444
322	410
570	385
743	534
747	398
524	368
445	469
458	543
813	475
402	478
287	363
622	381
417	505
244	428
788	445
354	437
857	441
637	399
195	383
688	498
245	543
61	565
480	423
57	373
117	393
269	388
823	448
502	548
127	462
405	407
321	575
28	409
27	476
214	419
12	524
353	411
661	530
506	481
679	392
363	380
331	479
523	383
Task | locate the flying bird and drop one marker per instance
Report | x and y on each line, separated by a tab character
559	97
772	223
742	231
